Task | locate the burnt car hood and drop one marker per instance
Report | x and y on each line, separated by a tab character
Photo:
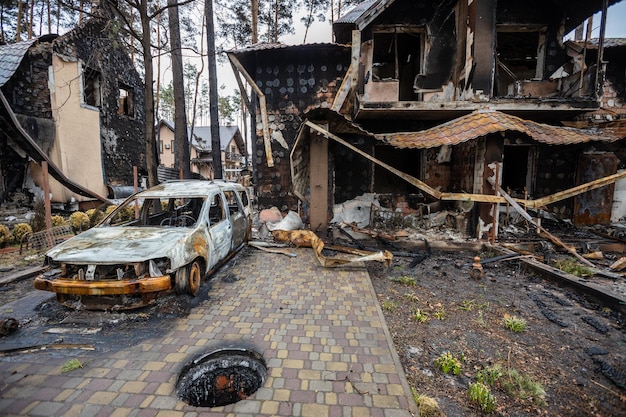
109	245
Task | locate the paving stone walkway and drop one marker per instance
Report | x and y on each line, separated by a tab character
321	332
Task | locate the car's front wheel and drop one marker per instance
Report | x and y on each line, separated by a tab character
188	279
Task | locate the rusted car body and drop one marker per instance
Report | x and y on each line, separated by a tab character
165	238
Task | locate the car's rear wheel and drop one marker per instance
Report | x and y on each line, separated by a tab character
188	279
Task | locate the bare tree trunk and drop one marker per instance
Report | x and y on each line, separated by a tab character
18	36
255	21
195	93
58	16
148	68
158	71
275	34
308	22
31	19
216	151
43	9
49	16
181	160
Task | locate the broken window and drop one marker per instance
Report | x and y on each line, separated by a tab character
517	169
216	210
91	80
409	161
520	57
126	101
397	56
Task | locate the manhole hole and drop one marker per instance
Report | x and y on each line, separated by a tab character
221	377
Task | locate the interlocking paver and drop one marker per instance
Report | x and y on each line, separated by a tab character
321	333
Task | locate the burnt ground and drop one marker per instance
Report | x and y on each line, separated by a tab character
574	348
570	358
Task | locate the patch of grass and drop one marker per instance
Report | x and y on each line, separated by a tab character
440	314
490	375
514	324
405	280
515	384
388	305
427	406
420	316
448	363
572	267
411	297
523	386
481	320
480	394
71	365
469	305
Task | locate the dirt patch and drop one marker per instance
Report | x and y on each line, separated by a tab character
569	360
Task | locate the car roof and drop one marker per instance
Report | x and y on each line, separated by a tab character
188	188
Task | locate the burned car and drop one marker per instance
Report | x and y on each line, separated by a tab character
165	238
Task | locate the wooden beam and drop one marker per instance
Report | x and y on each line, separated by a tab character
242	88
526	216
355	57
344	89
318	177
262	104
574	191
410	179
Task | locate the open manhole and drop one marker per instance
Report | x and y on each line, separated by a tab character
221	377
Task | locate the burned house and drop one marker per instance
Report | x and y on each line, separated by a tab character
76	103
436	100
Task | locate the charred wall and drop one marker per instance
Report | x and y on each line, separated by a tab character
293	82
463	167
122	134
352	173
27	90
557	172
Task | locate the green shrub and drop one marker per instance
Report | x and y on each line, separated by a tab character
490	375
6	237
514	324
58	221
79	221
95	216
448	363
109	209
20	230
480	394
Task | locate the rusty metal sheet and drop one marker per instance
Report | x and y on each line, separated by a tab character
594	207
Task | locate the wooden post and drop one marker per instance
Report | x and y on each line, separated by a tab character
319	181
46	195
136	188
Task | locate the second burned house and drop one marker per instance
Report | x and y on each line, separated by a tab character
436	98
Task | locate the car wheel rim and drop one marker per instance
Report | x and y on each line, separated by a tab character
194	278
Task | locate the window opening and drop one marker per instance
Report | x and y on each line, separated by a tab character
517	169
234	206
216	210
126	101
92	96
397	56
520	56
